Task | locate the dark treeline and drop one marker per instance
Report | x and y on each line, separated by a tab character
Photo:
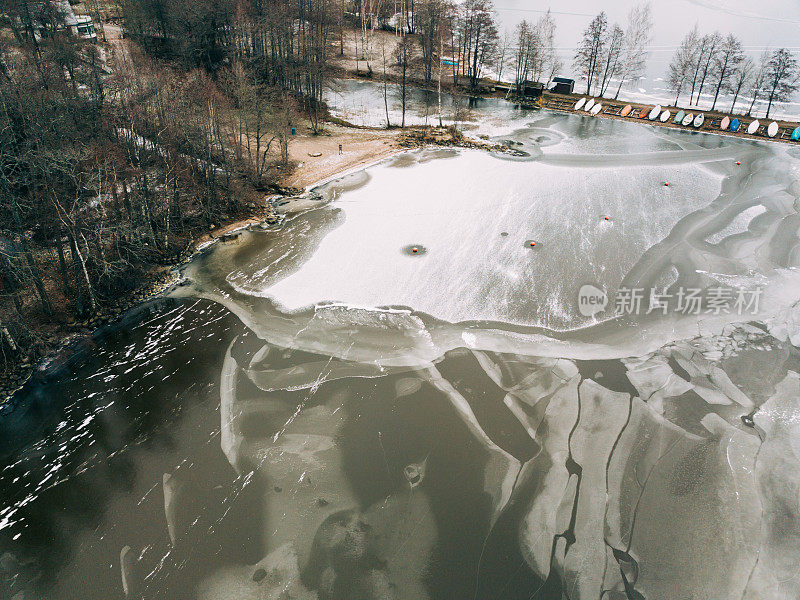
109	169
285	43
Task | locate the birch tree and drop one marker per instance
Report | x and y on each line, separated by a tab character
726	63
681	64
612	61
429	19
758	81
524	50
548	63
711	46
782	76
740	79
591	49
637	41
479	38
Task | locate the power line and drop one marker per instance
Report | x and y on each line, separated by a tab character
552	12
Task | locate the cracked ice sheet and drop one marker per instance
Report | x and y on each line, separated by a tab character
688	507
603	415
777	574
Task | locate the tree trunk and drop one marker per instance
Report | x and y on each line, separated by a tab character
735	98
62	265
73	247
619	87
37	282
752	104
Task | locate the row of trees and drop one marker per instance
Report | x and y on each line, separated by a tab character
607	54
712	63
535	56
719	63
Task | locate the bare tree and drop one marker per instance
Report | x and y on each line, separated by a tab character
404	56
680	67
479	37
758	80
782	76
612	66
385	85
637	41
711	44
548	63
591	49
503	47
726	63
699	44
524	51
430	16
741	79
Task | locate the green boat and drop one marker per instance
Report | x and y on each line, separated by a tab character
679	117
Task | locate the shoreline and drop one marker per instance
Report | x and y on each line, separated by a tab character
555	102
71	337
363	148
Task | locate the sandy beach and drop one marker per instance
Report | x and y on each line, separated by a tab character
360	147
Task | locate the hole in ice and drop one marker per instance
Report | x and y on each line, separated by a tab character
415	250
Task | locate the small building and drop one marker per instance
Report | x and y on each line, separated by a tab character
58	15
84	27
562	85
533	89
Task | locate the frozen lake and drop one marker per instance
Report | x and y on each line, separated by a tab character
323	413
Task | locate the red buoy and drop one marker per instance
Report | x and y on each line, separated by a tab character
738	162
666	184
606	218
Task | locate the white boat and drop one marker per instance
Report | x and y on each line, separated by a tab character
589	105
579	104
773	129
753	127
687	119
699	120
596	109
665	116
654	114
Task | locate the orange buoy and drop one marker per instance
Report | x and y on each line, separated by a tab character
415	250
533	244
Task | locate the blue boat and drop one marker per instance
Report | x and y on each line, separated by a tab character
735	124
796	134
